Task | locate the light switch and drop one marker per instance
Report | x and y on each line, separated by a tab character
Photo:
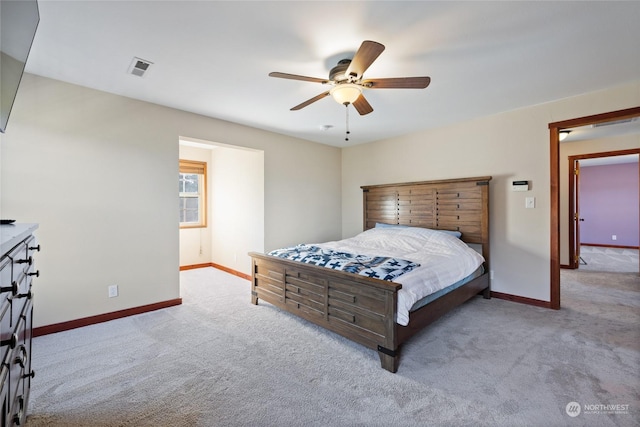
530	202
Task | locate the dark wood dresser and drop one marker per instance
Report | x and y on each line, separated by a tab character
17	270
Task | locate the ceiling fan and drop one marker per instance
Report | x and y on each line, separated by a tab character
347	80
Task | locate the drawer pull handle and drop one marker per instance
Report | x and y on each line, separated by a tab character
29	375
11	342
35	248
13	288
25	261
28	295
36	273
17	417
21	359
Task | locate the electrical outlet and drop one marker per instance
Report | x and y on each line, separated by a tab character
614	237
113	291
491	274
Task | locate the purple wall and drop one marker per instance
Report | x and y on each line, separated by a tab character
609	204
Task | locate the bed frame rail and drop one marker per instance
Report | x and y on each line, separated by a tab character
359	308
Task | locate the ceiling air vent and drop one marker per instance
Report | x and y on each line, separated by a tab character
614	122
139	67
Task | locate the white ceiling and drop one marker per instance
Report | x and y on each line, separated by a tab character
213	57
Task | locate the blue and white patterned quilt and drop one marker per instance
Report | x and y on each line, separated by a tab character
384	268
444	259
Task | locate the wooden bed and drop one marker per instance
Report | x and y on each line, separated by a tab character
363	309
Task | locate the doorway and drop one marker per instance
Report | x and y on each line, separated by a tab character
609	200
235	208
554	155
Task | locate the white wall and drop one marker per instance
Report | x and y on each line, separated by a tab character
98	173
509	146
237	190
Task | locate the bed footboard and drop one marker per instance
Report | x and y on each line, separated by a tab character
363	309
359	308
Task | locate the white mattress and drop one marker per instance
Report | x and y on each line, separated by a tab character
444	259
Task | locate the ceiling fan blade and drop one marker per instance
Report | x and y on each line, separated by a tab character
362	106
310	101
364	57
398	83
297	77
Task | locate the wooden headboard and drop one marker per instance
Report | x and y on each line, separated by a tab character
450	204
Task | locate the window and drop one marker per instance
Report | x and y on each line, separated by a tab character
193	193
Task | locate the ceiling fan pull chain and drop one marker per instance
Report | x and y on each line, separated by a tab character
346	105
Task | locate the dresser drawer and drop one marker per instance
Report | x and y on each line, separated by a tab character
21	283
10	271
4	393
32	247
19	300
26	337
21	261
7	289
18	414
17	271
7	340
6	277
18	360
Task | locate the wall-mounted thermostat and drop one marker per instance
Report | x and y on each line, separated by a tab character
520	186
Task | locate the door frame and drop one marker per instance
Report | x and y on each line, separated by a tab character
574	213
574	242
554	183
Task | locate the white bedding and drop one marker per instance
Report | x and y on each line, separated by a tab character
444	259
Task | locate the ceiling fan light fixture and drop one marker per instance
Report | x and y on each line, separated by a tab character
339	72
347	84
345	93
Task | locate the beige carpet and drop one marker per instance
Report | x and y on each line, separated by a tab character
599	258
217	360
